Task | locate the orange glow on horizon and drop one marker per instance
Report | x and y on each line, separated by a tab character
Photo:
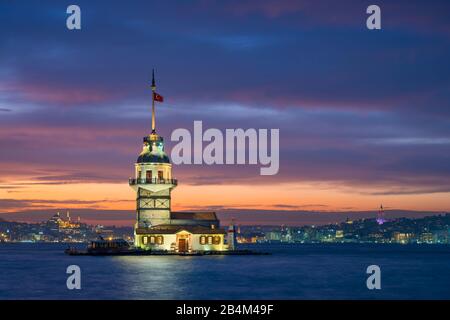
292	196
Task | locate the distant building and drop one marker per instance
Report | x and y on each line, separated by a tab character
380	216
56	223
402	238
426	237
273	236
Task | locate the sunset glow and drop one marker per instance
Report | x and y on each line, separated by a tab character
363	126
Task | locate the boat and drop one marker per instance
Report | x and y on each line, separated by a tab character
102	246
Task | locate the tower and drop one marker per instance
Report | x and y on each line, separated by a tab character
380	216
231	236
153	181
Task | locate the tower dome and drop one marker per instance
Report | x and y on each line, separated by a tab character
153	150
152	158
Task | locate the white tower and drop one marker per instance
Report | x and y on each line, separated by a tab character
231	237
153	181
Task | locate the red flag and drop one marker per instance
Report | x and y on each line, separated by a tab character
158	97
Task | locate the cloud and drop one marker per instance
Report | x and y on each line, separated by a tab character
240	216
15	205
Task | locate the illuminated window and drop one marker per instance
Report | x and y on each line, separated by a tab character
216	240
202	240
144	240
210	240
160	240
152	240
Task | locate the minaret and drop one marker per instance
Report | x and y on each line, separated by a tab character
153	181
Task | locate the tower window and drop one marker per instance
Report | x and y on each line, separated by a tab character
160	175
148	175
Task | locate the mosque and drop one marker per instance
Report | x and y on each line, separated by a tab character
157	226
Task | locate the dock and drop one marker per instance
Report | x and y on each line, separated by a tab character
138	252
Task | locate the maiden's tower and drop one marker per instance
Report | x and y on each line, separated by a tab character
157	226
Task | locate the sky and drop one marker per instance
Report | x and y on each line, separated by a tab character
364	115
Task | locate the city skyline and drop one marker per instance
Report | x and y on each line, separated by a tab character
430	230
363	116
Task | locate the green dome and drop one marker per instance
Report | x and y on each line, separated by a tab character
153	157
153	150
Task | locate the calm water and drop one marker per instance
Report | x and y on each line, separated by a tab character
37	271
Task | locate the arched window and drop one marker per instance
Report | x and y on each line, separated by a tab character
210	240
202	240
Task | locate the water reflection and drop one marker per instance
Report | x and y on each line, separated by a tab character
155	277
293	272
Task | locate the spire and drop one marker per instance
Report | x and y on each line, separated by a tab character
153	102
153	79
380	216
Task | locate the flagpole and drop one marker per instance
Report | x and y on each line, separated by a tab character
153	102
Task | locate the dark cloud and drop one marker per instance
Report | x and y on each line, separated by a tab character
87	215
24	204
243	216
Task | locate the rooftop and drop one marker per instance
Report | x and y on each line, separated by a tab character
207	215
172	229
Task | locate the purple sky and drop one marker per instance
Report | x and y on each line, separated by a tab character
354	107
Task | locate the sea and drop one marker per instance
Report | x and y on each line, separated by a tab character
291	271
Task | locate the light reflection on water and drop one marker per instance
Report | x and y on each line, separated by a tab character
37	271
172	277
154	277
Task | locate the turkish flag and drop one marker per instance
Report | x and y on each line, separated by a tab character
157	97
